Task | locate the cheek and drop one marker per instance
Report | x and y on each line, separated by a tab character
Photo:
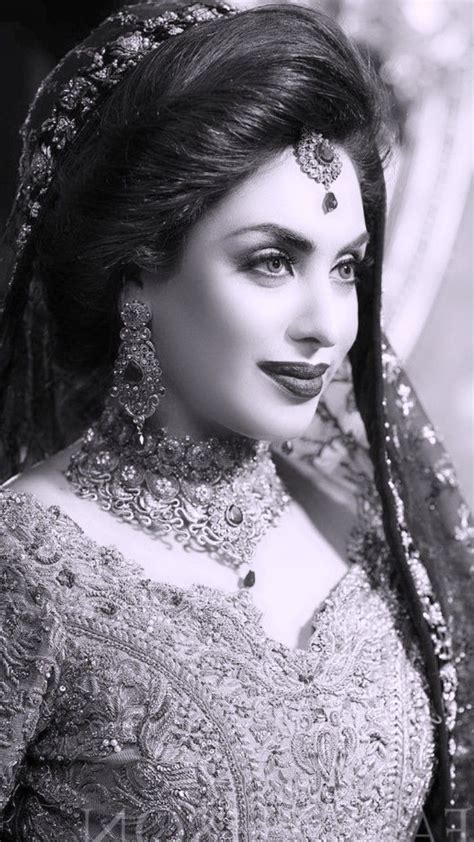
211	328
350	324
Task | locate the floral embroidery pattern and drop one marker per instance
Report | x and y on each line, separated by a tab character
174	716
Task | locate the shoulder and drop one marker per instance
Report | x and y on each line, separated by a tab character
59	590
43	548
32	634
27	527
46	480
31	516
47	497
35	544
26	547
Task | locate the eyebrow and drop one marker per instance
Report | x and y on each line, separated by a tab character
291	238
357	243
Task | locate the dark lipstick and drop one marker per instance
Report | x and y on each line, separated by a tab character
301	379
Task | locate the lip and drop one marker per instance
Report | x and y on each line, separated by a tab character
301	379
304	371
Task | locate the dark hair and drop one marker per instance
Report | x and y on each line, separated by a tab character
196	116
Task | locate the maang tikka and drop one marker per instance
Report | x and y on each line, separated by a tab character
319	160
137	374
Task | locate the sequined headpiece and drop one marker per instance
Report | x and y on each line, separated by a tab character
78	86
318	158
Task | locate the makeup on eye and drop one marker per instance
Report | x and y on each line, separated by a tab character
350	264
276	253
276	263
356	263
270	258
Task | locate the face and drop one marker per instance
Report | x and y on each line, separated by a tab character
263	308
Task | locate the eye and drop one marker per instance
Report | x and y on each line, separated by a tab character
348	269
276	265
270	262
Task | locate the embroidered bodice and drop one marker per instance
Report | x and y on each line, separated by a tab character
163	713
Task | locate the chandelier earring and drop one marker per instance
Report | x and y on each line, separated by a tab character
137	382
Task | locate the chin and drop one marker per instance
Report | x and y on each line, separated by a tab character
276	423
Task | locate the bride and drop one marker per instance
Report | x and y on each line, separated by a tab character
234	585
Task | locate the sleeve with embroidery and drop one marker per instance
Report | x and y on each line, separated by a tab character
30	647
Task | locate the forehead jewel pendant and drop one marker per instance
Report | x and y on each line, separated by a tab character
318	158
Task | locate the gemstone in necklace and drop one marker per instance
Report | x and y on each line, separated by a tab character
216	495
234	515
249	580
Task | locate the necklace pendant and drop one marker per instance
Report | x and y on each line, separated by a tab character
234	515
249	580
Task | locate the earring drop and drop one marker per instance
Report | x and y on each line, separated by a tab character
137	373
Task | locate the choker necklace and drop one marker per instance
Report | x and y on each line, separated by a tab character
215	496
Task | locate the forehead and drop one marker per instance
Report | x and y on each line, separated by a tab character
280	193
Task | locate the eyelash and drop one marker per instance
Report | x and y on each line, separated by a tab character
266	256
359	264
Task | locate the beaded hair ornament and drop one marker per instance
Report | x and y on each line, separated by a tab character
74	94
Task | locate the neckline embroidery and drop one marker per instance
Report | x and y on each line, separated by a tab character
241	598
244	600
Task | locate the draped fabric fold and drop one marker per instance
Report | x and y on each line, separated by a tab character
429	536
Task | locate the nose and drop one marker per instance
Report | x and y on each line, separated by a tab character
317	315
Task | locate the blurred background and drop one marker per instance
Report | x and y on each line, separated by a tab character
423	50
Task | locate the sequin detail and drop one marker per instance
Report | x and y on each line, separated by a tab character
172	711
432	612
97	71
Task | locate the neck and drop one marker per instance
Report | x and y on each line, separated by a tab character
170	450
178	422
175	419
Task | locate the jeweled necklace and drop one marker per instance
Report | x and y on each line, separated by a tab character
215	496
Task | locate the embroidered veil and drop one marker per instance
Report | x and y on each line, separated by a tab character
370	440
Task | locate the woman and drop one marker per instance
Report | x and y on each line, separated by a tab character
205	638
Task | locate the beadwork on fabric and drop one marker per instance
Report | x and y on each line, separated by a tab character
174	707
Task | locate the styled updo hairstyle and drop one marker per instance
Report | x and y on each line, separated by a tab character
197	116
